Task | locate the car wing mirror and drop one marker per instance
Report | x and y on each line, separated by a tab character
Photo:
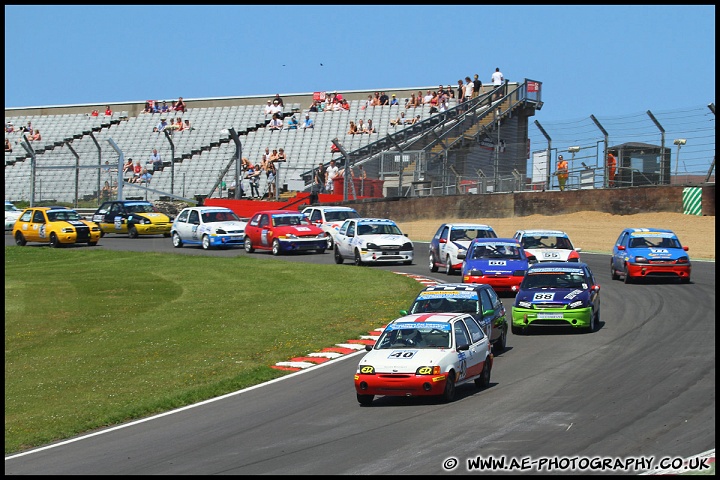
488	312
596	288
462	347
403	312
442	240
461	255
368	348
578	250
686	248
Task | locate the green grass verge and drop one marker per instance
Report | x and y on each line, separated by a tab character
95	338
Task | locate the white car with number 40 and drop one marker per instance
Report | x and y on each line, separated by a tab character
372	240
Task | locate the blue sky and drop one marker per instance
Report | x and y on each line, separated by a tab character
601	60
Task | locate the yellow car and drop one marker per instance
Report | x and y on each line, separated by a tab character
132	217
56	226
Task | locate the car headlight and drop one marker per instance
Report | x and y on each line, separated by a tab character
475	272
322	236
426	370
577	304
371	246
683	260
519	273
95	229
220	231
640	260
67	230
366	370
524	304
407	246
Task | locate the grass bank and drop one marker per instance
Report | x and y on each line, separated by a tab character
95	338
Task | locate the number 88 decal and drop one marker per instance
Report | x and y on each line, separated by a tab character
543	296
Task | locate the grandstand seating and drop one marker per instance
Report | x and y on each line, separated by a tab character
200	155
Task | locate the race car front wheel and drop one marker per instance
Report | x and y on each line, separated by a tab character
20	240
431	263
176	240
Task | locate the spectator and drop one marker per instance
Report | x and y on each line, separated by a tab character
611	165
399	120
275	123
427	98
253	176
274	155
413	102
180	125
9	127
281	157
319	178
413	121
497	81
292	123
369	128
361	172
562	172
330	175
434	100
361	127
271	174
460	91
394	100
180	105
368	103
137	170
308	122
148	107
94	113
384	100
269	108
34	137
314	107
27	128
353	128
128	169
187	126
279	100
175	124
108	112
376	100
450	92
469	87
265	157
8	145
156	161
443	102
106	191
345	105
162	125
164	108
277	109
477	86
144	177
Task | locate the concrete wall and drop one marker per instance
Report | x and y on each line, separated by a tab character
617	201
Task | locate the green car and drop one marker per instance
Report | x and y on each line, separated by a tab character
557	294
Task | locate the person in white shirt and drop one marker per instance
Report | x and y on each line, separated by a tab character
497	80
469	87
330	174
268	108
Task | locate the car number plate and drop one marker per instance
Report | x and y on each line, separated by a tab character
550	315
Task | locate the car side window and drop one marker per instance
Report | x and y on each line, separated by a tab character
461	334
343	228
438	232
183	216
194	218
485	300
316	216
494	299
38	217
26	216
264	221
476	333
444	233
351	229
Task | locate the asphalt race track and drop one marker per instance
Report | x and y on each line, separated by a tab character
642	385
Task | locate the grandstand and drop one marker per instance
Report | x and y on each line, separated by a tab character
445	152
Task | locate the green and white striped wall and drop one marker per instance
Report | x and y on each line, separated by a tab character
692	201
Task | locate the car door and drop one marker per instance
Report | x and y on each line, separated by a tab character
193	225
117	218
181	225
478	347
345	236
435	243
264	237
444	244
36	229
488	314
618	255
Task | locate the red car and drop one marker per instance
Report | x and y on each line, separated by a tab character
283	231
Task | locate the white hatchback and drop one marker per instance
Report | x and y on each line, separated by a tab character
12	213
372	240
548	245
330	219
209	227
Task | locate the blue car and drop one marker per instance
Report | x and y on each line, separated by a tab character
557	294
500	262
649	252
